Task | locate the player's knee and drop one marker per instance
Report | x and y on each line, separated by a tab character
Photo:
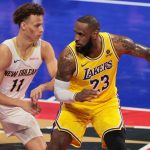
60	138
115	140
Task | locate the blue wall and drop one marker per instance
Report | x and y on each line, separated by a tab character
133	75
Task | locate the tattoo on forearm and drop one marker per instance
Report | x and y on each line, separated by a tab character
127	45
142	51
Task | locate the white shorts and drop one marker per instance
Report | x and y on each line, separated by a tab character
16	121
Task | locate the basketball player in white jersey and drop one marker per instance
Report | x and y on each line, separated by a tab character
20	58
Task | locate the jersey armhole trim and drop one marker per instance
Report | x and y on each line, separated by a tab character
76	61
111	42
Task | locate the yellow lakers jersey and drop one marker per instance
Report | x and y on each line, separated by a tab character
96	73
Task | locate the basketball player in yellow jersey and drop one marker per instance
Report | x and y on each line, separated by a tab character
86	84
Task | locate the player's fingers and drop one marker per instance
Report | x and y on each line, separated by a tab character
40	94
33	96
34	113
36	96
34	100
91	97
93	92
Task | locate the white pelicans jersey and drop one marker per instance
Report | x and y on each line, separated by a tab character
20	73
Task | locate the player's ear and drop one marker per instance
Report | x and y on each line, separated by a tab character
23	25
95	34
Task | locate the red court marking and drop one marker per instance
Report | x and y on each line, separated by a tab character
136	117
131	117
49	110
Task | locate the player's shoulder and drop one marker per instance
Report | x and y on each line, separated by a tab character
5	55
46	45
66	55
4	49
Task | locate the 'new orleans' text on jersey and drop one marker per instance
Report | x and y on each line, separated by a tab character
23	72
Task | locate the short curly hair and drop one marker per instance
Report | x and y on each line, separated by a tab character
25	10
91	21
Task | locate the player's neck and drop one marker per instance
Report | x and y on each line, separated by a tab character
24	47
23	43
96	48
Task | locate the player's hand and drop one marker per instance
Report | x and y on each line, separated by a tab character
86	95
37	93
29	107
36	107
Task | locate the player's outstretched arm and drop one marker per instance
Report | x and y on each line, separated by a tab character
124	45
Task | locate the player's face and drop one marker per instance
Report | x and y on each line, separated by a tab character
83	38
33	27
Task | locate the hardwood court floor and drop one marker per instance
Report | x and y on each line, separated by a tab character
137	123
136	138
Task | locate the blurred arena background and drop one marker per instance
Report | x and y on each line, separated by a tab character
129	18
122	17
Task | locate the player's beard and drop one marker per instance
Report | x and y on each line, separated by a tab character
85	50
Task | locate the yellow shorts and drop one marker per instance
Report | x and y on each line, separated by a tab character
74	118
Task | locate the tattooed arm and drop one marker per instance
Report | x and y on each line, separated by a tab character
66	65
124	45
66	68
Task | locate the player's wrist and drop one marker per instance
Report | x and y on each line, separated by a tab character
75	97
42	87
18	103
